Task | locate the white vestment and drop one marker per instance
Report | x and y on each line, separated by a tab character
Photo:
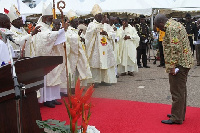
113	33
79	65
21	37
100	54
46	43
127	49
4	52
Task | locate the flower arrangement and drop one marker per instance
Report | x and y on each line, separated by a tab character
77	107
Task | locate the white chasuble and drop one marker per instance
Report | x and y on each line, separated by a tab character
22	38
44	45
128	48
100	53
79	65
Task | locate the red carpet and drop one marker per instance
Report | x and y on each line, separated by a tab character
121	116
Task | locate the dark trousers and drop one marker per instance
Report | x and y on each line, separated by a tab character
178	91
141	52
191	44
162	60
197	47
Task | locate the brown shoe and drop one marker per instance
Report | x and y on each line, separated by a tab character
123	74
130	73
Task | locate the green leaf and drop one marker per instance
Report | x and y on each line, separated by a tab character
54	125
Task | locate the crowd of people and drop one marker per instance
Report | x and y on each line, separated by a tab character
104	49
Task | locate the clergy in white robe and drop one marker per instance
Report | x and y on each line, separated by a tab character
79	65
113	31
20	36
4	45
100	51
128	42
50	43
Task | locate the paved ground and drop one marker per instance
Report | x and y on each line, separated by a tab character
150	85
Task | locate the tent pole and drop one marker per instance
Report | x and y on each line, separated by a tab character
152	20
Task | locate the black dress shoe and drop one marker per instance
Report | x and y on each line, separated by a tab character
63	94
146	66
117	76
105	84
96	85
169	122
49	104
139	66
130	73
123	74
160	65
56	102
169	115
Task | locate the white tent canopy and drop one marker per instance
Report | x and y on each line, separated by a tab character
24	9
131	6
160	4
187	4
83	7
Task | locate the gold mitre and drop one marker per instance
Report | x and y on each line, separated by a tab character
13	13
96	9
71	15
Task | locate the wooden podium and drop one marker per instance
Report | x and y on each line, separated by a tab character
30	72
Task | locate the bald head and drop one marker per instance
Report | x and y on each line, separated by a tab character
4	21
198	23
160	21
160	18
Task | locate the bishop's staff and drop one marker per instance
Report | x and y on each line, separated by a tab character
60	7
54	10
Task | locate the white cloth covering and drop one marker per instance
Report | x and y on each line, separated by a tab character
4	53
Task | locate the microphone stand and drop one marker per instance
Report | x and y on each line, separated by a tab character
18	95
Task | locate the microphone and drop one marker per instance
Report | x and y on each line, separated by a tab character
6	34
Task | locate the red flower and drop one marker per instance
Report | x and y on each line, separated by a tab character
78	106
